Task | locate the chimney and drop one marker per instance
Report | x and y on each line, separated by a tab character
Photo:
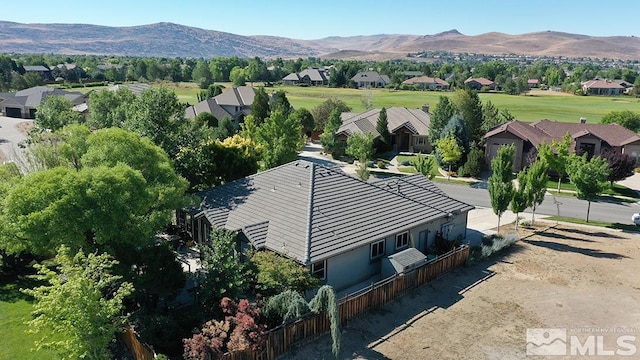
583	120
425	108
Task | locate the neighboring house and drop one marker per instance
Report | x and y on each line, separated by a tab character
370	79
409	128
533	83
602	87
137	88
589	138
427	83
337	226
411	74
310	76
480	84
234	104
41	70
23	103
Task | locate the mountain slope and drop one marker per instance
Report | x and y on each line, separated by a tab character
173	40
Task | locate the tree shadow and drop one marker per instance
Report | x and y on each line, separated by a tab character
568	248
599	234
549	234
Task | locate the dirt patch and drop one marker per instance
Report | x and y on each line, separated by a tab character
25	126
561	277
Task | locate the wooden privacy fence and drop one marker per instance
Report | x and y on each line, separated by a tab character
139	350
377	295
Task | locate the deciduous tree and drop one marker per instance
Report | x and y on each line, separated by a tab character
556	156
275	274
520	201
55	112
621	166
500	183
536	185
589	177
449	150
322	112
443	112
626	118
328	139
360	146
83	303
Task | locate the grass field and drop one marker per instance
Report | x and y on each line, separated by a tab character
535	106
16	308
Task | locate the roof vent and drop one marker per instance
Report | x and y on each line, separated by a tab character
583	120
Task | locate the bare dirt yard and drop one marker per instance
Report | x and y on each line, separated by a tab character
22	127
555	277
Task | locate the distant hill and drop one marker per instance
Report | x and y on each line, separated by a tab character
173	40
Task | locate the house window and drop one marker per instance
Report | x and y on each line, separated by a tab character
377	249
319	269
421	141
402	240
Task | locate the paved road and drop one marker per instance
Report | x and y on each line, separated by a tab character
570	206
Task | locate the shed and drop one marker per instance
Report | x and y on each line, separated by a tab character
402	262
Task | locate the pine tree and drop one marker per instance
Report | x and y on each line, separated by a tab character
382	127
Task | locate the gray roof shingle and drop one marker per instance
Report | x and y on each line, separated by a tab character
416	120
310	212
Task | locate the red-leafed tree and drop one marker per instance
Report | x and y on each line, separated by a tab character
621	166
240	330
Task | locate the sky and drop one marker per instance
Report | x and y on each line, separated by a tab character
318	19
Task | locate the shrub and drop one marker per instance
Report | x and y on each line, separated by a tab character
381	164
490	245
405	163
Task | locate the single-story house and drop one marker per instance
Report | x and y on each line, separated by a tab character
533	83
589	138
233	104
480	83
370	79
427	83
310	76
23	103
409	128
43	71
336	225
602	87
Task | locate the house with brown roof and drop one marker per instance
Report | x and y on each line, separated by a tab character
233	104
587	138
427	83
337	226
309	77
480	83
602	87
409	128
370	79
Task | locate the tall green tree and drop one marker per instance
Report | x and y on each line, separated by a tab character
449	150
626	118
238	76
305	118
260	106
82	304
536	185
500	183
360	146
589	177
382	127
281	103
556	156
469	106
324	110
54	113
328	138
109	108
202	75
441	115
280	139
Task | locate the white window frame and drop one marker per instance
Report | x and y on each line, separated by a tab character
319	269
405	243
376	245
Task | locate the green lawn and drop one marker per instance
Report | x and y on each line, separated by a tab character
615	190
566	108
15	310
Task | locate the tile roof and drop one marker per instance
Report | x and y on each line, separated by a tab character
547	130
425	80
237	96
482	81
370	76
602	84
32	97
35	68
416	120
241	96
310	212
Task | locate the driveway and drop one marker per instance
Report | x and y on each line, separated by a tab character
10	137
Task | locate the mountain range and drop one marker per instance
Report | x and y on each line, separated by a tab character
174	40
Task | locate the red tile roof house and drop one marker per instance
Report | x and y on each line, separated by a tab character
480	83
409	128
336	225
427	83
590	138
602	87
533	83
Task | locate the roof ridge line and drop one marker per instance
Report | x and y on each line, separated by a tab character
307	243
